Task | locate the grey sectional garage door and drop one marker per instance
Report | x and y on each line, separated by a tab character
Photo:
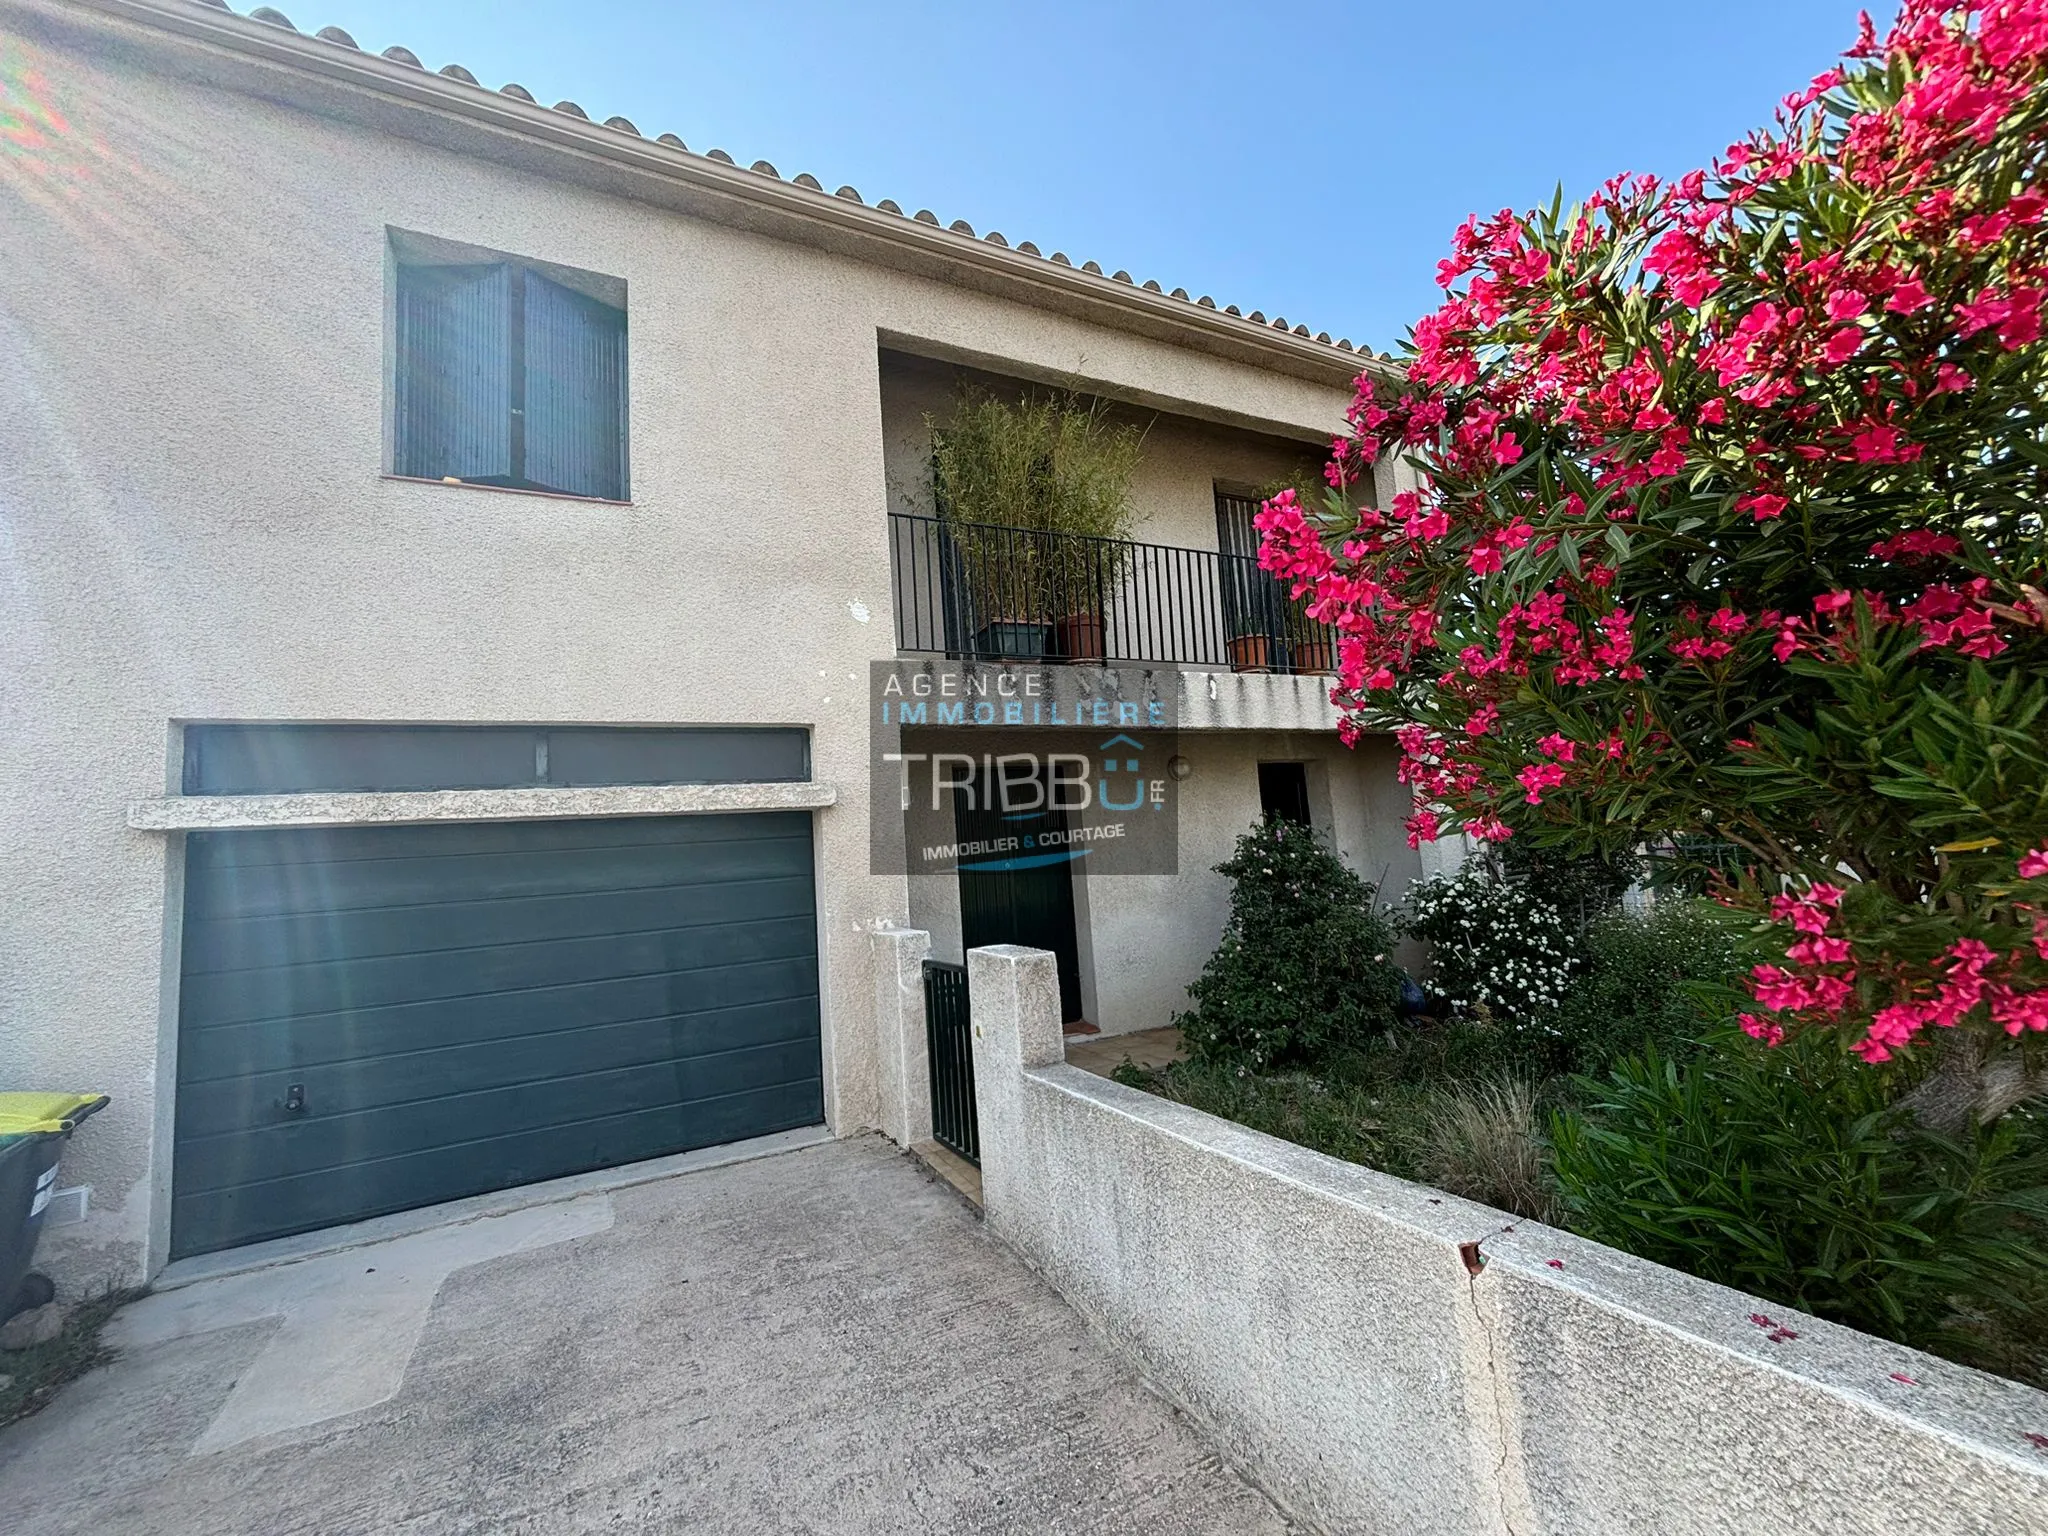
375	1018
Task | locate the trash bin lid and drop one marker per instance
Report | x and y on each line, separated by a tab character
25	1114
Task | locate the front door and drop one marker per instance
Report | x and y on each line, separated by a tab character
1016	896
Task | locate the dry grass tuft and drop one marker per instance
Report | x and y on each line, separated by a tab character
1481	1142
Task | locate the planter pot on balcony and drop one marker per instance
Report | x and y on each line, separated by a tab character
1317	656
1251	653
1078	637
1012	639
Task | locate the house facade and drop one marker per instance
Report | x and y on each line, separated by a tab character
449	542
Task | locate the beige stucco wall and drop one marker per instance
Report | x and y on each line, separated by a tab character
1173	493
193	525
1143	938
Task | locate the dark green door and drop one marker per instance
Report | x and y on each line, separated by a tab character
1020	897
376	1018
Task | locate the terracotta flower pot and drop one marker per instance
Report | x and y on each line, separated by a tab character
1251	653
1317	656
1078	637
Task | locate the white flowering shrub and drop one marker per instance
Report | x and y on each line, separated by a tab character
1497	947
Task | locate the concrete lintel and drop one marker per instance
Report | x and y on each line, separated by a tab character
193	813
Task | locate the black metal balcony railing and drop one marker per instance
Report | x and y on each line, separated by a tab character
986	593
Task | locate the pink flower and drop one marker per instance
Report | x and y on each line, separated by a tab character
2018	1012
1970	955
1788	643
1845	304
1758	1028
1484	558
1681	261
1417	523
1909	297
2034	863
1423	827
1699	650
1561	747
1489	829
1882	443
1917	541
2016	315
1481	721
1819	950
1806	916
1844	344
1727	621
1762	505
1538	777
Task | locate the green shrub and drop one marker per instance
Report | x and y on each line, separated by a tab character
1496	948
1048	462
1788	1174
1356	1121
1303	967
1664	978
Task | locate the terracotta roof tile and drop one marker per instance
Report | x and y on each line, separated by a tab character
400	55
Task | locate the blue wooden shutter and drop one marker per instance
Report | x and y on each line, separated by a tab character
454	384
575	391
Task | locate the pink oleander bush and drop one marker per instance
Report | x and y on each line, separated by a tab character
1710	512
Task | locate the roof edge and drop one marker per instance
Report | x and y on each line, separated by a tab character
891	239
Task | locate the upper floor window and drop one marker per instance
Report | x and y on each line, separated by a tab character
508	374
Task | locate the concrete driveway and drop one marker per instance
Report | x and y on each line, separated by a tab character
818	1341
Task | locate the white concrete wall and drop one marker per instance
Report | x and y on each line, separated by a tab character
192	302
1322	1321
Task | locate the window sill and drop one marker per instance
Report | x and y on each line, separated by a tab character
505	490
202	813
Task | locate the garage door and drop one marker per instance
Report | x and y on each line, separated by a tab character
375	1018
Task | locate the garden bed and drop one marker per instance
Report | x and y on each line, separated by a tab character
1584	1071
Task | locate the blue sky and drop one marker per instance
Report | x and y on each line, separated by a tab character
1304	159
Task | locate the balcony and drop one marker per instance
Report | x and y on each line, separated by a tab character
978	592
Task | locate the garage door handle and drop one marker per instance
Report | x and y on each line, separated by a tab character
295	1099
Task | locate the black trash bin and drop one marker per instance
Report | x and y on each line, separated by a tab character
33	1130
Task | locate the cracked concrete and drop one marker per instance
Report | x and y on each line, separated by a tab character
821	1341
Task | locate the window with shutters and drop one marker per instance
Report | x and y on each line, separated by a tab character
507	373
